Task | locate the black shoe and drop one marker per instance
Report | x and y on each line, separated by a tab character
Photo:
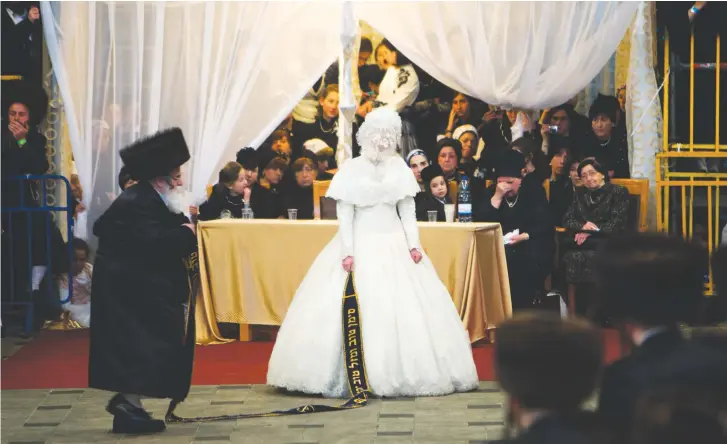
118	405
124	424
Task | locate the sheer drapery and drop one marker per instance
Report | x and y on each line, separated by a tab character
643	109
226	73
522	54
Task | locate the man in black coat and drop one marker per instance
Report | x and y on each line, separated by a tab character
649	283
142	328
548	367
529	254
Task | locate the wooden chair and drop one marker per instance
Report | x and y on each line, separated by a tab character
320	187
638	211
209	190
452	191
639	205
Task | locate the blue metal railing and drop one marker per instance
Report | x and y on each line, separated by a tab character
31	210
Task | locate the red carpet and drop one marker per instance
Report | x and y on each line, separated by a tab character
59	359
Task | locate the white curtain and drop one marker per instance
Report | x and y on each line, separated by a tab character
643	107
522	54
226	73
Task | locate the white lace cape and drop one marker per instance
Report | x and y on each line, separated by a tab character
361	183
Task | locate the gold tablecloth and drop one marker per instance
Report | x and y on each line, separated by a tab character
250	270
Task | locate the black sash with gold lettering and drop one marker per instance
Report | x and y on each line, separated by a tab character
358	385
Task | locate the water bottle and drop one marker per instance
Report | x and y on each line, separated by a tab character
464	200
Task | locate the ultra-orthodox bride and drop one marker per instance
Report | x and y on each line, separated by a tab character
415	343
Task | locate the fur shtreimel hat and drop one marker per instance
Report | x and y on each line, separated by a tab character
156	155
34	97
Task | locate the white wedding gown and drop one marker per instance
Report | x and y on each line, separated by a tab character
413	338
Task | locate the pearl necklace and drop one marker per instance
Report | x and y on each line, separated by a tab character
333	127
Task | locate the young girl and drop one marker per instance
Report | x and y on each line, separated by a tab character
435	196
228	196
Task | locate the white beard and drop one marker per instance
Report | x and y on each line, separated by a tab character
176	200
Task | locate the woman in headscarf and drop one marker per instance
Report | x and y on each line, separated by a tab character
417	161
401	297
470	141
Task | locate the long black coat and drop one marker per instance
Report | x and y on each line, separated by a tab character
141	342
530	261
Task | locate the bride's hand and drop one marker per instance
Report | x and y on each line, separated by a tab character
348	264
416	256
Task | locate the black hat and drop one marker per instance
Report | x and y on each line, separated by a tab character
454	143
34	97
605	105
267	158
650	278
156	155
510	164
247	157
430	172
562	381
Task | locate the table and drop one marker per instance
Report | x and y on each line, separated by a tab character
250	270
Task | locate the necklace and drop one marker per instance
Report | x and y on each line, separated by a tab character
590	200
333	127
605	144
513	203
233	203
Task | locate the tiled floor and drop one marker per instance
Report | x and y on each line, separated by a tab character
78	416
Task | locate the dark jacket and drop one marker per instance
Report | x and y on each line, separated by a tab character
301	199
664	360
220	200
141	340
606	207
426	202
266	201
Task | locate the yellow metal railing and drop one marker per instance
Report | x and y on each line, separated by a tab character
680	187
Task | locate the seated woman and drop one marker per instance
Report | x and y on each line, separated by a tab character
470	140
436	195
465	111
563	126
417	161
299	195
266	198
322	156
449	151
606	142
325	127
229	196
599	209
